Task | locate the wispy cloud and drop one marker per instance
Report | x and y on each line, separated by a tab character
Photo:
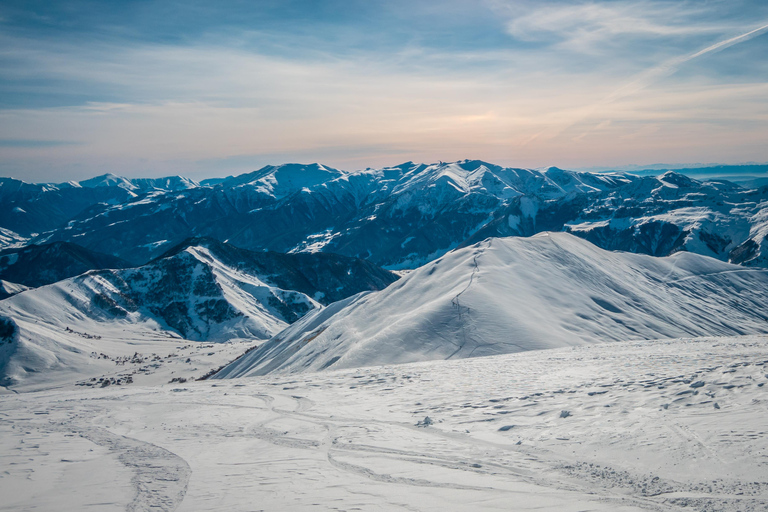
648	77
589	26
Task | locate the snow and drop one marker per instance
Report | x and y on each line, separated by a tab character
516	294
316	241
283	180
11	240
7	288
76	329
624	426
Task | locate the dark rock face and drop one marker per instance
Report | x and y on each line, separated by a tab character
744	252
38	265
653	238
8	345
325	277
7	330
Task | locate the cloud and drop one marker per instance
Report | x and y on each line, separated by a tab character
572	86
587	27
648	77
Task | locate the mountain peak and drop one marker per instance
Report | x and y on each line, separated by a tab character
107	180
677	179
283	180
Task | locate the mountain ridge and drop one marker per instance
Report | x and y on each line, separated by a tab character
407	215
38	265
514	294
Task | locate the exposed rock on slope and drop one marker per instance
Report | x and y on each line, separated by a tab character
325	277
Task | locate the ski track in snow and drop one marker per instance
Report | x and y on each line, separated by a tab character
662	425
160	476
455	301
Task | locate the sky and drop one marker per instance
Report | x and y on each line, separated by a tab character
150	88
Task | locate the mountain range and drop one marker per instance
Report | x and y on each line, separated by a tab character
296	254
396	217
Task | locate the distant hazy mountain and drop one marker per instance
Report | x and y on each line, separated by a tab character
403	216
202	290
507	295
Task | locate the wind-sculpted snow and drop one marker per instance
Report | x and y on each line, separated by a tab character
672	425
518	294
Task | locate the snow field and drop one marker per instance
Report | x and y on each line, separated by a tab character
639	425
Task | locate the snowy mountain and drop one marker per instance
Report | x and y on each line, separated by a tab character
28	209
199	291
397	217
38	265
325	277
517	294
139	185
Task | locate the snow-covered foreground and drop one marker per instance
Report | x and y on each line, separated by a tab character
644	425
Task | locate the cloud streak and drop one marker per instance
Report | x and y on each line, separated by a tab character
669	67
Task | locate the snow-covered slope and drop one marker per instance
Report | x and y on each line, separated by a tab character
204	291
10	239
517	294
8	289
138	185
60	330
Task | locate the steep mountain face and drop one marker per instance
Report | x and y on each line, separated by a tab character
324	277
191	293
405	216
517	294
38	265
